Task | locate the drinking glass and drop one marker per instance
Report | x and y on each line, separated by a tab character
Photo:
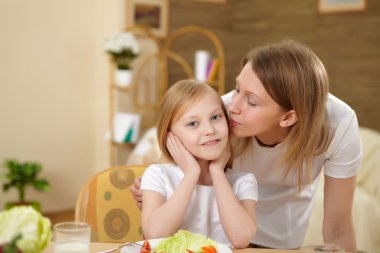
72	237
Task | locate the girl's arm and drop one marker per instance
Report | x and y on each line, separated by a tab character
160	217
238	218
337	222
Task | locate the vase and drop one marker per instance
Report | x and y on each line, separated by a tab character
123	77
35	204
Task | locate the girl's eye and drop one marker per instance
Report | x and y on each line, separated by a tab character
192	124
237	90
216	117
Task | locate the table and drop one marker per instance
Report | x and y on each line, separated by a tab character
97	246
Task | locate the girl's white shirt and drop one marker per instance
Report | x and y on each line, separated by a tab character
282	211
202	215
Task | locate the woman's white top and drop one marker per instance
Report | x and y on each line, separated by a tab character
202	216
282	211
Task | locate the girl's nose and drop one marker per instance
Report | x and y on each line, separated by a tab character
209	129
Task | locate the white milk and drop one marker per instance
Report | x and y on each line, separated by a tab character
71	247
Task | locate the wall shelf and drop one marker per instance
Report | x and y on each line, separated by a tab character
152	71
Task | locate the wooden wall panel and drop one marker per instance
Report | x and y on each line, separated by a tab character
348	43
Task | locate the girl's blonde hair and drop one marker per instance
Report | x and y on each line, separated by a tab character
296	79
176	102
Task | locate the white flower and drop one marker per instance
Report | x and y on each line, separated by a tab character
122	41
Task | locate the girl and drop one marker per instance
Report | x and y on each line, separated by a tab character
194	190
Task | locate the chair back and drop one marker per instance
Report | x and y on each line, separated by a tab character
106	202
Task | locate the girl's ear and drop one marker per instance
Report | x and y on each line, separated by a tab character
289	119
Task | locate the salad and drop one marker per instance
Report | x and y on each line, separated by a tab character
24	229
182	242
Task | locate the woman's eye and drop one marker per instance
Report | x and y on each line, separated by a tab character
251	101
237	90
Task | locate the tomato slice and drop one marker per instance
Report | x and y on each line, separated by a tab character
146	247
208	249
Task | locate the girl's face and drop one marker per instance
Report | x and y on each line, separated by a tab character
252	110
203	128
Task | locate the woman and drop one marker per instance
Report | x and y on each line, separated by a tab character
288	128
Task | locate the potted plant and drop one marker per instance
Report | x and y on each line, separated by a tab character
123	48
21	175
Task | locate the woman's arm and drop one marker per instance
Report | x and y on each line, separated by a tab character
238	218
337	222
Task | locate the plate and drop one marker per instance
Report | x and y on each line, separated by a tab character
221	248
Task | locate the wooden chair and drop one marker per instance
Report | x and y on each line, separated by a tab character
106	202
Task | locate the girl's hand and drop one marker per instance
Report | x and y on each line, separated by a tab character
182	156
219	164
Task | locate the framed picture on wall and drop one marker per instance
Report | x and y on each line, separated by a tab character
153	14
331	6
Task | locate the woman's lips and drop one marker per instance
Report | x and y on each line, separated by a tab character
234	123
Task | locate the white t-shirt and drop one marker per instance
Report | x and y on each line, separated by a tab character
282	212
202	216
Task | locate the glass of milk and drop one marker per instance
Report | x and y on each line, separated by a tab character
72	237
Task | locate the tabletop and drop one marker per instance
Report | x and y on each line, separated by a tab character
96	247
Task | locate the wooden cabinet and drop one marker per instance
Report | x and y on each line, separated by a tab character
151	79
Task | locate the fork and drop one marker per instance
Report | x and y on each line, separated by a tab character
121	246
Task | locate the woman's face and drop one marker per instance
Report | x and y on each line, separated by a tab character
203	128
252	110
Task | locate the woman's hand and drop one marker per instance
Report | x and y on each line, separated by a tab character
182	157
136	192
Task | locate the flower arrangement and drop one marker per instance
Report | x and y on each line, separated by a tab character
123	47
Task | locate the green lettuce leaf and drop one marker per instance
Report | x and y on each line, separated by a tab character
31	225
182	241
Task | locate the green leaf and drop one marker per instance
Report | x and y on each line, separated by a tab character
20	175
13	166
28	170
41	185
11	247
6	187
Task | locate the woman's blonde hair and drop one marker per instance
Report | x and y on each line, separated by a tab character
296	79
176	102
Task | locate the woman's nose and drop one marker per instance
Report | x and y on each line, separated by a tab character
233	106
